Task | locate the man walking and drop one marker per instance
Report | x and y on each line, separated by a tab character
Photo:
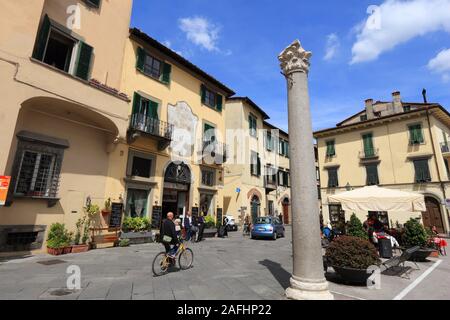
187	224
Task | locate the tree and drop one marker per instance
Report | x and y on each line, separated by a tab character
415	234
355	228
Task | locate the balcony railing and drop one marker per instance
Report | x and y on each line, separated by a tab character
214	149
270	182
152	126
368	153
445	148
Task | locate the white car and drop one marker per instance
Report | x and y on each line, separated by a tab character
231	226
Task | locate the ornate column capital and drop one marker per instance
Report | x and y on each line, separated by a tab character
294	59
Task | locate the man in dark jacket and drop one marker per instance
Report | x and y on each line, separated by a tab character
168	235
201	227
187	224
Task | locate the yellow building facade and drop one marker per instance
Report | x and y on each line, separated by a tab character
257	171
175	140
62	115
393	144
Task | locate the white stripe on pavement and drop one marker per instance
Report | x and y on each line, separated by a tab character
409	288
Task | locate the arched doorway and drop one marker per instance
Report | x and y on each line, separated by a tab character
433	216
255	205
177	182
286	205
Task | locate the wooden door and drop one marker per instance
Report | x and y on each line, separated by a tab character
433	217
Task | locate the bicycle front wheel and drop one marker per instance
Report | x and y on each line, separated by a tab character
160	264
186	259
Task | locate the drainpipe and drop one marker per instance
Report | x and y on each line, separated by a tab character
436	162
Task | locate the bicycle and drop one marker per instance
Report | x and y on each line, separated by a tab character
162	261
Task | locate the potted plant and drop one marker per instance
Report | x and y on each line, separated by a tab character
416	235
107	209
355	228
137	230
58	240
350	257
81	236
210	230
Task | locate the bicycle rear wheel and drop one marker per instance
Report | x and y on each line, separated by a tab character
186	259
160	264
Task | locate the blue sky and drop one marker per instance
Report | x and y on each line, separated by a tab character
357	53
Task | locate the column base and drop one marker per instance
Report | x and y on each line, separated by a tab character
302	290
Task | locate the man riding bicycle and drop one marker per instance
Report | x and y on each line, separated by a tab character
169	236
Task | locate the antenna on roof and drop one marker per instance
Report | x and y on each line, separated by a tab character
424	94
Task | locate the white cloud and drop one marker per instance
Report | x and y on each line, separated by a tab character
168	44
440	63
397	21
332	46
200	32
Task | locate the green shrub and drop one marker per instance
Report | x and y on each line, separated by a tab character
210	222
415	234
124	243
355	228
352	252
58	236
136	224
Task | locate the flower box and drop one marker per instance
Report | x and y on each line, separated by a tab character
55	251
80	248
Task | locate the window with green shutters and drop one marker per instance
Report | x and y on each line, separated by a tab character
269	141
331	152
153	67
372	175
333	181
253	126
61	48
211	99
368	145
415	134
422	171
209	133
145	114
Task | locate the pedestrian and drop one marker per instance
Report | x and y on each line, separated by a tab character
201	227
168	236
178	227
225	226
194	228
187	224
281	218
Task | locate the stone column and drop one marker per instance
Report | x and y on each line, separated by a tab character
308	281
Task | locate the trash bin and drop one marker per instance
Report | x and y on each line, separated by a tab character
385	248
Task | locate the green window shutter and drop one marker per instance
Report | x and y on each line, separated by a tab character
416	136
419	134
219	102
372	175
136	105
332	178
258	165
153	110
422	171
368	145
167	70
84	61
203	93
41	40
330	149
140	59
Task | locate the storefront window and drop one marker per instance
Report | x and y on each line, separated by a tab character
136	203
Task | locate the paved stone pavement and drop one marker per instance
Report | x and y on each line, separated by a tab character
236	268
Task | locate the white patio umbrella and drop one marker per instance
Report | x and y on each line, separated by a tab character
379	199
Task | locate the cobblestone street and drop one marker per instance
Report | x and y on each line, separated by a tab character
233	268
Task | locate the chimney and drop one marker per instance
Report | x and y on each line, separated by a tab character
369	109
397	102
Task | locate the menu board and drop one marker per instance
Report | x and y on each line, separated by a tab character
116	215
156	217
220	215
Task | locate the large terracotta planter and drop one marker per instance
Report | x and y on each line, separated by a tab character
55	251
67	250
80	248
351	275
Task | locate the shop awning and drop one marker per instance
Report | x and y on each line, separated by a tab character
379	199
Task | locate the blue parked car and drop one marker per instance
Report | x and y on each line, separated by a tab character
267	227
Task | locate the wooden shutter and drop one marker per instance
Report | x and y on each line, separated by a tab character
136	102
258	165
368	145
422	171
167	70
203	93
41	40
330	149
372	175
332	178
140	59
84	61
153	112
219	102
